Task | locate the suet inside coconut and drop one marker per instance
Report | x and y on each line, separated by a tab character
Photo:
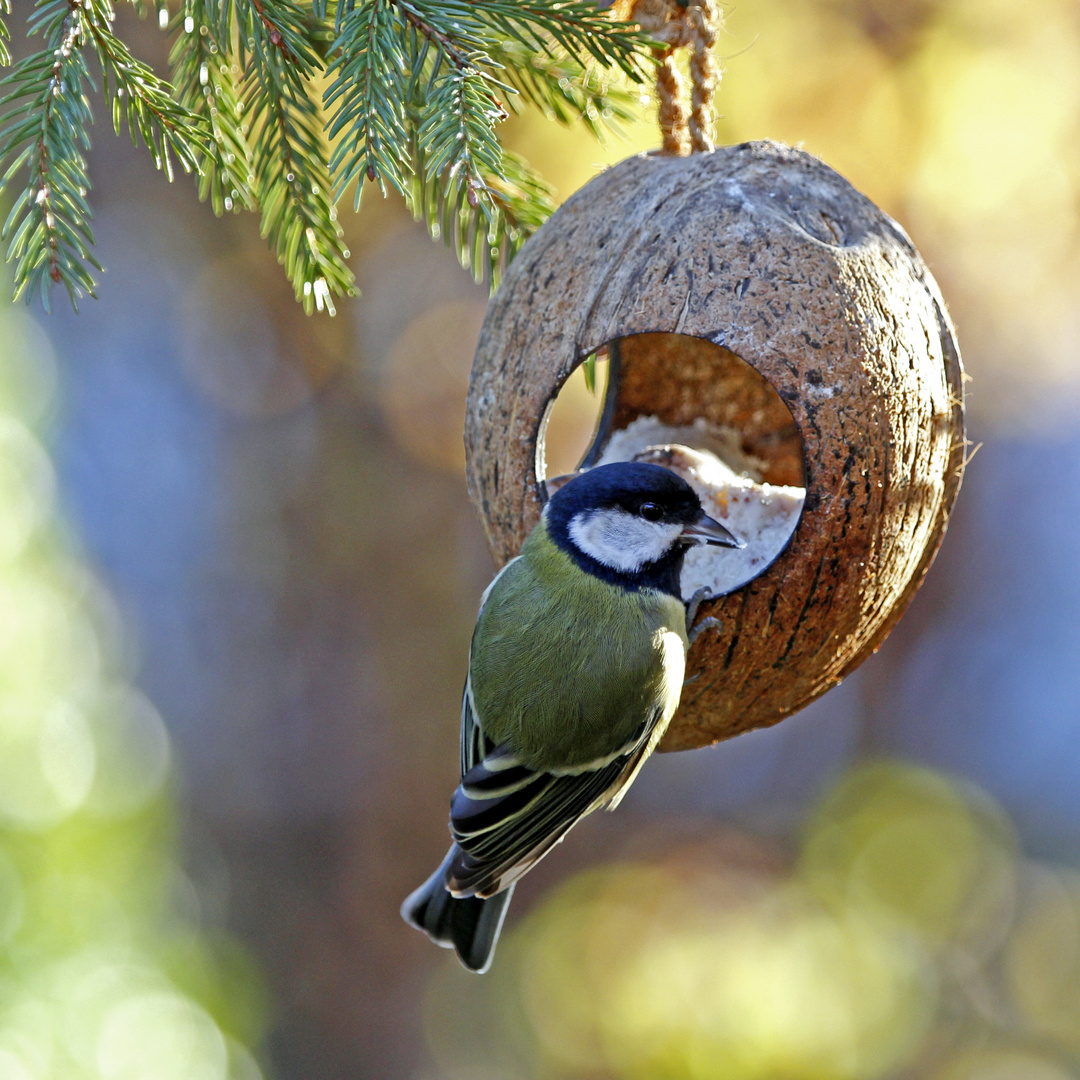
723	462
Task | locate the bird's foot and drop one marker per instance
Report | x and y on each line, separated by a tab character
692	606
693	630
710	622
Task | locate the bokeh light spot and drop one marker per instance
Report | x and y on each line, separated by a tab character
1004	1063
12	899
132	751
232	349
903	844
422	384
161	1036
13	1067
1043	959
26	487
45	769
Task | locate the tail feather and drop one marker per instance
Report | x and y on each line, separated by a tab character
470	925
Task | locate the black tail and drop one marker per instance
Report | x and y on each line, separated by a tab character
470	925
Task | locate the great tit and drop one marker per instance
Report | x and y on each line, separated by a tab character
576	666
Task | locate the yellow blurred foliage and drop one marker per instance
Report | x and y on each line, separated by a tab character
879	952
1043	959
911	847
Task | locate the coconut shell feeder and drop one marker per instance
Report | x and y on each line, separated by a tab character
760	254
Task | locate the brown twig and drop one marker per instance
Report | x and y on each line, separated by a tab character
275	35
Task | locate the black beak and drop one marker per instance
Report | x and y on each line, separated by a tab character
706	530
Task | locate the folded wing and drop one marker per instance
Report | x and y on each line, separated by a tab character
505	816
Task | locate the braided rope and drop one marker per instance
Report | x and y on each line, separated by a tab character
671	113
695	27
704	17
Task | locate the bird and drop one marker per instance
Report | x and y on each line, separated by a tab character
575	669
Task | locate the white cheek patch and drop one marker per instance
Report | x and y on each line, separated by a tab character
623	541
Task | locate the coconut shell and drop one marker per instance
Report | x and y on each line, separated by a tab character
765	255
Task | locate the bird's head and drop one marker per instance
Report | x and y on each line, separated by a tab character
631	520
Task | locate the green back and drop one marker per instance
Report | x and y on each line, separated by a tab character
567	668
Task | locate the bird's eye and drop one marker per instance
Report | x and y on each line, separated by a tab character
651	512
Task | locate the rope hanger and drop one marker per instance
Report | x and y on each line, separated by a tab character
692	25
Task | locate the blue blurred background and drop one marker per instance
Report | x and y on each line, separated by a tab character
272	511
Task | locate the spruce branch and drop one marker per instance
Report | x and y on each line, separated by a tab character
160	9
457	135
44	130
207	78
292	177
524	201
565	90
417	94
281	106
484	225
140	100
457	152
577	28
5	34
367	96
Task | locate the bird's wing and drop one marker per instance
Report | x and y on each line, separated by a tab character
506	816
474	744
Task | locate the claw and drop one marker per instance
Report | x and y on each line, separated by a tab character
693	604
710	622
693	630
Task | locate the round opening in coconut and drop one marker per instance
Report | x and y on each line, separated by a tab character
771	335
732	439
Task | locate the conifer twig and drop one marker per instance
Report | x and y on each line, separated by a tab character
140	99
207	82
5	34
281	106
292	178
44	131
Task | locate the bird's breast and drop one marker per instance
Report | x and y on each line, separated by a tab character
569	669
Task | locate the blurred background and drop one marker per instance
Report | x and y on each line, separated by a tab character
238	573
